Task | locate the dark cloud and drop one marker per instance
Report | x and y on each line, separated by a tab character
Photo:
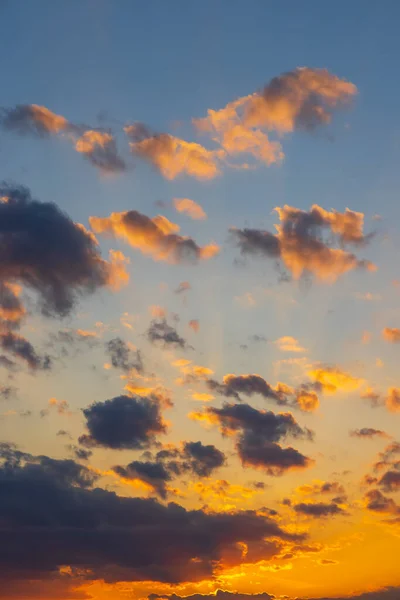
233	385
218	595
123	356
368	433
41	248
204	459
123	423
153	474
378	502
192	458
318	509
388	593
49	511
390	481
161	331
257	435
21	348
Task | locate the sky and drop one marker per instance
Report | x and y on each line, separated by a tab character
199	300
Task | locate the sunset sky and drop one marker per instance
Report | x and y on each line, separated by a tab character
199	300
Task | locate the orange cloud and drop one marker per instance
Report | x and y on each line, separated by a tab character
190	208
288	343
299	99
156	236
307	401
118	275
173	156
393	400
391	335
299	244
195	325
333	380
202	397
48	120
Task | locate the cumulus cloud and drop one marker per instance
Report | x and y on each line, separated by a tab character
43	250
299	243
257	435
123	422
190	208
387	593
392	400
173	156
97	145
50	510
300	99
156	236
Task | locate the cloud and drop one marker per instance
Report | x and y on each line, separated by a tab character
387	593
392	400
321	487
184	286
157	237
257	435
100	149
123	423
194	325
97	145
232	386
391	335
43	250
190	208
12	310
203	459
161	331
299	245
288	343
49	510
300	99
333	380
123	355
318	509
217	595
21	348
153	474
368	433
173	156
193	458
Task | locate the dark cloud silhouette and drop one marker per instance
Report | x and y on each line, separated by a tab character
21	348
41	248
368	433
218	595
389	593
49	510
204	459
233	385
123	356
318	509
154	474
390	481
192	458
123	422
257	435
160	331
